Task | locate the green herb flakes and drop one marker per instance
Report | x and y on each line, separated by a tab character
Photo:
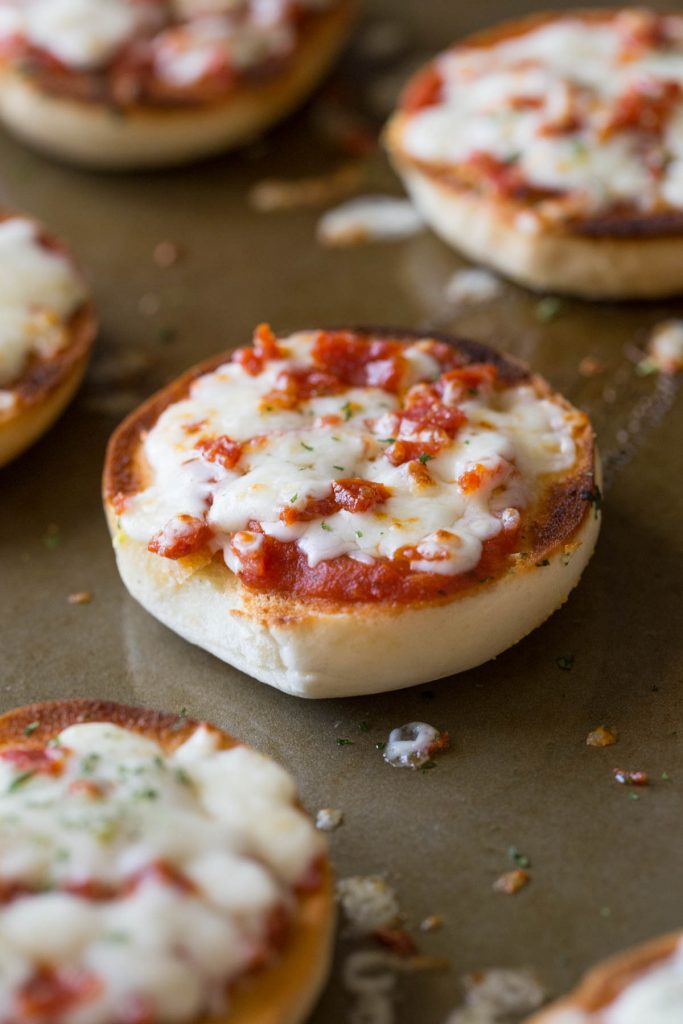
566	662
548	309
344	743
325	526
52	537
425	458
520	859
31	728
20	781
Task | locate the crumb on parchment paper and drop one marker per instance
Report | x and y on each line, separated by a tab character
369	219
499	995
602	737
328	819
512	882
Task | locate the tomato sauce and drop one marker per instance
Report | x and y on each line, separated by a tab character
281	567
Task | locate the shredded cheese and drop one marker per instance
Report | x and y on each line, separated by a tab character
292	456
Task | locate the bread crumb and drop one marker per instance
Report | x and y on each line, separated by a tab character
602	737
328	819
166	254
80	597
512	882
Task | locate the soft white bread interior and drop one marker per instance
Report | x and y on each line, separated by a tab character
94	135
312	652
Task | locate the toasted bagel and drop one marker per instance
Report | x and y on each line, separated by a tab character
283	986
377	617
47	380
552	158
104	134
603	986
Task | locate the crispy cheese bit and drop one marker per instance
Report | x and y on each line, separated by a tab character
369	219
626	778
398	940
665	348
328	819
369	903
80	597
512	882
602	737
413	745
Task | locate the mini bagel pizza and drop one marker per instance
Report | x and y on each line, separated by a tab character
47	327
551	148
139	83
155	870
642	986
351	511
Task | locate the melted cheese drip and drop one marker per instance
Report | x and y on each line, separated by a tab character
226	819
478	113
39	290
196	35
516	435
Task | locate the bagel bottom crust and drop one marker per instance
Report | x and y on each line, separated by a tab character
602	984
369	649
591	268
22	428
93	135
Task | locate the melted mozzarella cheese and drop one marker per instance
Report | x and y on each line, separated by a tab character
226	820
292	456
39	290
500	100
81	33
189	38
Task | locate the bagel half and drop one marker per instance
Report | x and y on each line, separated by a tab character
284	989
532	201
603	985
47	383
108	136
346	633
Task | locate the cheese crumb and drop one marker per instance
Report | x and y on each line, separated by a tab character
328	819
368	902
369	219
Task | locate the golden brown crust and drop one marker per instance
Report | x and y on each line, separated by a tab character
604	983
624	223
551	524
43	376
280	993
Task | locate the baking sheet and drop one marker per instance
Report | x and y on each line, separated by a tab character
604	867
